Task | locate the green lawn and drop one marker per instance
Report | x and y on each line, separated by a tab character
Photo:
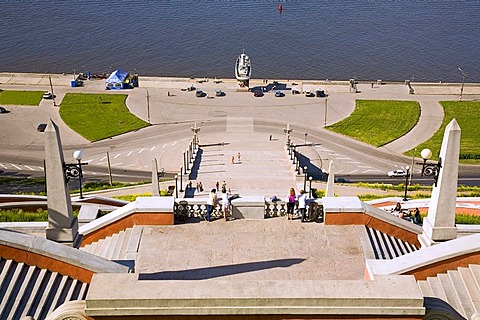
467	114
379	122
21	98
98	116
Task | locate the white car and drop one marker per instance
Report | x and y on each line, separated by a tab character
397	173
47	95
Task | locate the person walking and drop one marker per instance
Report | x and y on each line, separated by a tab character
217	186
200	185
225	204
233	159
290	204
211	202
238	157
302	204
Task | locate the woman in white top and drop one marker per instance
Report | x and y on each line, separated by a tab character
225	204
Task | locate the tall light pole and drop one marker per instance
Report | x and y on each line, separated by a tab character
310	186
176	186
325	115
464	75
305	178
406	183
74	170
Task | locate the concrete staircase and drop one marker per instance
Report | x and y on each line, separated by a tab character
120	246
385	246
460	288
264	167
30	291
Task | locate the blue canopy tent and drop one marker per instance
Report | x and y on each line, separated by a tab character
117	80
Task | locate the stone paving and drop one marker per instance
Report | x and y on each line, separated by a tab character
251	249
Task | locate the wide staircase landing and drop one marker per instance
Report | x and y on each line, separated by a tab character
264	168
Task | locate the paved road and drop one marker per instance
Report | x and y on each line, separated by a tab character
172	112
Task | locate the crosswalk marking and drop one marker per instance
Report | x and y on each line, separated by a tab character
103	158
128	154
153	148
141	150
118	155
174	142
30	168
164	146
1	164
17	167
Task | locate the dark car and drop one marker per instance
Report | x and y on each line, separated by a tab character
257	93
41	127
199	93
320	93
3	110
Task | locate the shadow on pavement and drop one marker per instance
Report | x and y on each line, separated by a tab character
219	271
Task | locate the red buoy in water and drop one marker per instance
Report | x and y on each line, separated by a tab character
280	7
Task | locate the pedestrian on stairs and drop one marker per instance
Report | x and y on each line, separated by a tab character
290	204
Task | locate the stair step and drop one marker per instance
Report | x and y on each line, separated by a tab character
44	295
69	296
13	281
437	288
135	237
450	292
456	278
472	289
105	246
83	291
55	300
98	247
425	288
21	292
475	270
111	248
125	242
35	290
118	246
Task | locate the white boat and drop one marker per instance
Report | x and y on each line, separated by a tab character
243	67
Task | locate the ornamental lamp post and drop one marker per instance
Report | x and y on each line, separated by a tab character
305	178
406	183
464	75
78	155
176	186
430	169
310	186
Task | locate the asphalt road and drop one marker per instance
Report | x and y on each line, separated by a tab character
172	116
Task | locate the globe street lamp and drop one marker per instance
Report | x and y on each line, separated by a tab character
74	170
430	169
406	183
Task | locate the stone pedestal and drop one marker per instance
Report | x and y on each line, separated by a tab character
249	207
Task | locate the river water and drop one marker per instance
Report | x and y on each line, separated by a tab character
309	39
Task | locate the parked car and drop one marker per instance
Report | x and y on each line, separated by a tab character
309	94
279	93
41	127
47	95
340	180
219	93
199	93
397	173
3	110
320	93
257	93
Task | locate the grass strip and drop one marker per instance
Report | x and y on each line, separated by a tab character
98	116
20	98
378	122
467	114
